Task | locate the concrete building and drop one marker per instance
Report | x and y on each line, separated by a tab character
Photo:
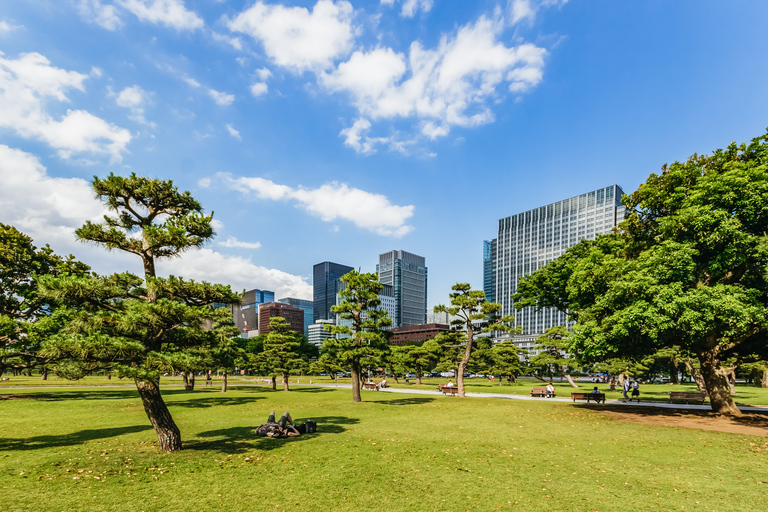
293	315
407	274
317	332
325	285
416	334
307	306
246	316
529	240
387	304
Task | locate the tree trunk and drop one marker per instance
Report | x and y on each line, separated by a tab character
274	383
189	381
418	378
392	372
43	373
168	435
285	382
764	381
717	385
224	382
695	375
108	374
673	373
570	380
185	381
356	382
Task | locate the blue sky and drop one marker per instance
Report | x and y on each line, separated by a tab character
335	130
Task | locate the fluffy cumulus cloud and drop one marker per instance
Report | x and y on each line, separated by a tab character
240	273
411	7
357	138
27	84
49	209
453	84
295	37
332	202
171	13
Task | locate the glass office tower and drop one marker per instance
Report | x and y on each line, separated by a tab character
489	269
326	284
407	274
529	240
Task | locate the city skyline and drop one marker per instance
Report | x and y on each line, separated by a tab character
408	124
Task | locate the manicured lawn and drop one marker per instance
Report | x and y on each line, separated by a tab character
93	449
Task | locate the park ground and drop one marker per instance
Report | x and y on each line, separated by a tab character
92	448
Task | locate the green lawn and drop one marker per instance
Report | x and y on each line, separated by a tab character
93	449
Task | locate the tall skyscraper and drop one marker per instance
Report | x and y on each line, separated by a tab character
489	269
529	240
326	284
407	274
307	306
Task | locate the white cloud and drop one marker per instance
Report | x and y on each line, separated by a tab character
134	98
259	88
519	10
191	82
234	42
7	28
49	210
26	84
171	13
105	16
411	7
233	242
221	98
234	133
452	85
297	39
354	137
239	273
333	201
264	74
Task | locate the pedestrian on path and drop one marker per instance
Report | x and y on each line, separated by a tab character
625	387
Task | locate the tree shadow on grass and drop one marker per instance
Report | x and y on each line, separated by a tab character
59	395
71	439
204	402
242	439
403	401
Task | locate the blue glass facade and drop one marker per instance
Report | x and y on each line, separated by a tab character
489	269
407	274
325	285
305	305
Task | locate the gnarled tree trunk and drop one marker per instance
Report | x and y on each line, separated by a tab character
764	380
570	380
285	382
274	383
168	435
696	374
189	381
43	373
717	385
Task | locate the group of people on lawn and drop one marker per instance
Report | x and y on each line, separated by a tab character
381	384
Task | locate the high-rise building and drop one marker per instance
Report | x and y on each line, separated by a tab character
529	240
307	306
246	316
407	274
387	299
318	333
294	316
489	269
326	284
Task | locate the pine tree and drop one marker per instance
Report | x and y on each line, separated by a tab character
140	326
281	349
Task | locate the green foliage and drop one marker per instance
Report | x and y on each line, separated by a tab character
281	349
687	267
365	339
506	359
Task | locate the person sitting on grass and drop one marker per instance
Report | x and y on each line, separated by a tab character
279	428
550	391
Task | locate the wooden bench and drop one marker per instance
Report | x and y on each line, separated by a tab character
589	397
452	390
540	392
682	395
370	385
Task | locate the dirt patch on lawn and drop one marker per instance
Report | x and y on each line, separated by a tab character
752	424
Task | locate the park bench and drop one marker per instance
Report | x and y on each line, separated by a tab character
540	392
370	385
589	397
682	395
448	390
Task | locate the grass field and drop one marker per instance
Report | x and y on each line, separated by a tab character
93	449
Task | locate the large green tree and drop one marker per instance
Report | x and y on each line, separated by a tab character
281	349
25	316
686	268
472	315
140	325
360	304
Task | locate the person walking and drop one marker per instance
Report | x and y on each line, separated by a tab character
625	388
636	391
